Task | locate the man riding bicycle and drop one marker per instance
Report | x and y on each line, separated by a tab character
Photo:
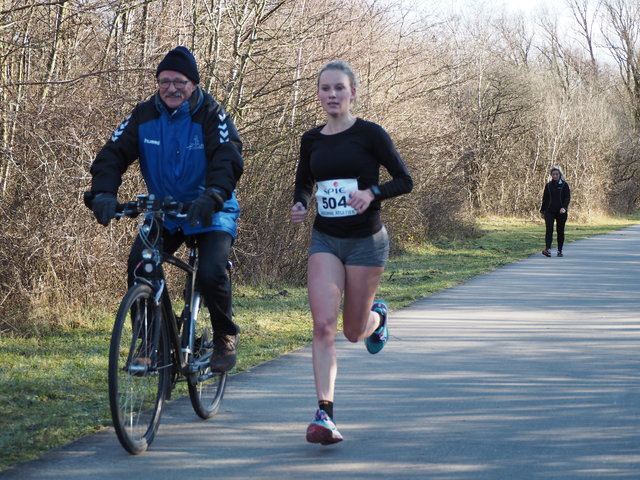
188	149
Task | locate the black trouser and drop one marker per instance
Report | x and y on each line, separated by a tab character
561	220
213	279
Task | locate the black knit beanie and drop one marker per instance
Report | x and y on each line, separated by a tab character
180	59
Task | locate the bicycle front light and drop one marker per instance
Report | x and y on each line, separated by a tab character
148	263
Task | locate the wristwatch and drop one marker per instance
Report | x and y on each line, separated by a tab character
376	191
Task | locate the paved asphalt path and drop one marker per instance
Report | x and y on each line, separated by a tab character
529	372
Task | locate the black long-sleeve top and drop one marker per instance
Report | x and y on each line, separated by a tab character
356	153
556	195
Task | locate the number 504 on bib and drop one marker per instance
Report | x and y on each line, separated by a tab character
332	197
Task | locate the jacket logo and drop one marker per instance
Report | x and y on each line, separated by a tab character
223	129
120	129
195	144
152	142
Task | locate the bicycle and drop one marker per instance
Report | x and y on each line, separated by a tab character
152	348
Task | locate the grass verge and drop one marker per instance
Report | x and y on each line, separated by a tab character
53	389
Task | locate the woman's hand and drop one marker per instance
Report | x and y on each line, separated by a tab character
360	200
563	210
297	213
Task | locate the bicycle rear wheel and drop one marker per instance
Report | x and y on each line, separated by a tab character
138	369
206	388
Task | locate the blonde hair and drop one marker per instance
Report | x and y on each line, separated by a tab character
341	66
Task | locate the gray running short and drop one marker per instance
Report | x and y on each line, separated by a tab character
372	251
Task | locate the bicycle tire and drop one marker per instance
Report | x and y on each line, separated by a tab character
138	369
206	388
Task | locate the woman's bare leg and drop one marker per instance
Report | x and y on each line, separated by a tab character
326	277
360	289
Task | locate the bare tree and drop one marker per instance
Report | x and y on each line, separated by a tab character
622	36
585	13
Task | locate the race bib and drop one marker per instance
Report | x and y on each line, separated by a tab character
332	197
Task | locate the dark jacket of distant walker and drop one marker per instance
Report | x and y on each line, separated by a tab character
556	195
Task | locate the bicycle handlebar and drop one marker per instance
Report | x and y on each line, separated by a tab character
145	203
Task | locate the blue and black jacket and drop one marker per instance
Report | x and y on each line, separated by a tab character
181	153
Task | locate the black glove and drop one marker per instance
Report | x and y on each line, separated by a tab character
104	207
209	202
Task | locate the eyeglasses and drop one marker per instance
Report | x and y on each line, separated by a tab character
179	84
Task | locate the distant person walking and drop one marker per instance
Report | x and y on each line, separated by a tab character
349	244
555	202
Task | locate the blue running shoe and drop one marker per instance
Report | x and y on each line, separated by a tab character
322	430
376	341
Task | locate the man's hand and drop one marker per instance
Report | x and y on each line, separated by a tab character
204	207
104	207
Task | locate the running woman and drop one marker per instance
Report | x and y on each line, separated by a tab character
555	202
349	244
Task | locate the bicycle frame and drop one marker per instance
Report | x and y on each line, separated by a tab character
181	330
184	343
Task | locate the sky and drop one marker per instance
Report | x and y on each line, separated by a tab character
524	6
528	6
530	9
559	9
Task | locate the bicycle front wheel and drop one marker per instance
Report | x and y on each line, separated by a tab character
138	369
206	388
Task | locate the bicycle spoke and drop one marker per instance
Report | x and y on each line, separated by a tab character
207	392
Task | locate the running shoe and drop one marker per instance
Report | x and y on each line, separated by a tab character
322	430
546	252
377	340
560	253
